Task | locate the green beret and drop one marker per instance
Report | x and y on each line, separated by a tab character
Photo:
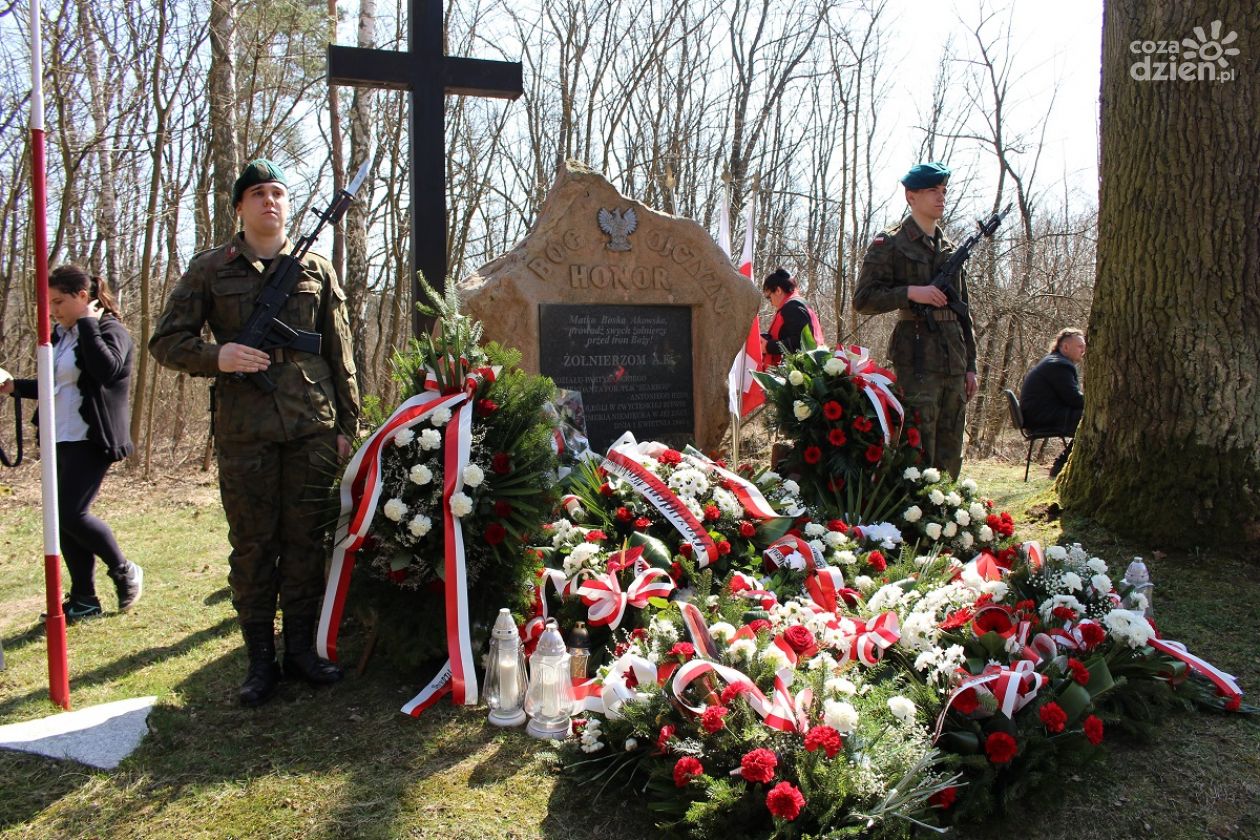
924	175
259	171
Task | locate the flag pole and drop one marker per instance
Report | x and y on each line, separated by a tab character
734	400
55	624
737	429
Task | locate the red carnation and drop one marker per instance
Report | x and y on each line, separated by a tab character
495	533
1064	613
812	454
711	513
714	719
605	489
732	691
747	529
686	769
723	548
501	463
1092	634
799	638
642	522
874	452
685	549
944	798
837	438
832	410
623	514
837	525
785	801
877	561
1000	748
826	738
1078	671
1053	716
484	408
1094	729
967	702
913	438
683	649
758	765
596	536
862	424
662	738
670	456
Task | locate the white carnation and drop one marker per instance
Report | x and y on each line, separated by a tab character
936	497
1097	566
903	708
962	517
395	510
791	488
954	499
722	631
430	439
864	582
796	378
1072	582
886	598
833	539
968	485
420	474
913	513
461	505
840	685
775	657
404	437
840	716
1057	553
966	539
813	529
769	477
1101	584
440	417
933	530
996	588
1129	627
801	410
420	525
986	533
976	510
911	474
845	558
950	529
741	649
474	475
931	475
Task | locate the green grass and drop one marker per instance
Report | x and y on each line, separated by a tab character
342	762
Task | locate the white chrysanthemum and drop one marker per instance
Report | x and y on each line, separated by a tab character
976	510
741	649
474	475
813	529
886	598
689	482
966	539
430	439
420	525
911	474
801	409
1129	627
950	529
936	497
461	505
833	367
968	485
903	708
1072	582
962	517
833	539
440	417
796	378
1101	584
913	513
840	716
845	558
1097	566
840	685
420	474
986	533
1048	606
395	510
727	503
404	437
931	475
775	657
954	499
1057	553
791	488
665	631
933	530
722	631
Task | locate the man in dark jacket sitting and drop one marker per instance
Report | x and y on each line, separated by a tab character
1051	398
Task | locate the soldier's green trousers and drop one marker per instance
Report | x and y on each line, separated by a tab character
277	500
941	401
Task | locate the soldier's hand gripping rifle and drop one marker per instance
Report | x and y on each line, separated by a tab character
944	279
264	330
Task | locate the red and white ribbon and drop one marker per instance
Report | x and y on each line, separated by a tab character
1070	636
1013	688
698	630
875	637
746	586
1033	555
1226	684
606	601
616	691
779	553
360	495
752	500
788	712
876	383
825	587
623	460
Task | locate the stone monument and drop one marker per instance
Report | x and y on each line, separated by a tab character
639	310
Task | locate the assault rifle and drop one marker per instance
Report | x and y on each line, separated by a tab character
264	330
944	279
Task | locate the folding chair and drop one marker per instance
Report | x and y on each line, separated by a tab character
1030	435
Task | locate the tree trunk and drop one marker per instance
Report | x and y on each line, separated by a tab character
1169	448
358	271
223	129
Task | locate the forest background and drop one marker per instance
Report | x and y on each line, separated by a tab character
811	112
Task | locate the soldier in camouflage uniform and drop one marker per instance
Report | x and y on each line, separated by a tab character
937	370
278	453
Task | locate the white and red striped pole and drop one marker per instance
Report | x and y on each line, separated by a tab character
55	626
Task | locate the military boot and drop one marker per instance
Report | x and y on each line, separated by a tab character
300	659
264	674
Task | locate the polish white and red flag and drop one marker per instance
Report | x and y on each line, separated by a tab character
745	392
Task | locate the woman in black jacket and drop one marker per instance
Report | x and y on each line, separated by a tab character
91	376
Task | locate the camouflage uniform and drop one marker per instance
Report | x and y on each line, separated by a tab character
905	256
277	452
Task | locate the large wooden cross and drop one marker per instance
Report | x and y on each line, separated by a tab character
429	74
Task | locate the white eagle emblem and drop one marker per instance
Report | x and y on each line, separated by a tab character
618	225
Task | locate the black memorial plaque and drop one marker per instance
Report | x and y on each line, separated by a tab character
631	363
